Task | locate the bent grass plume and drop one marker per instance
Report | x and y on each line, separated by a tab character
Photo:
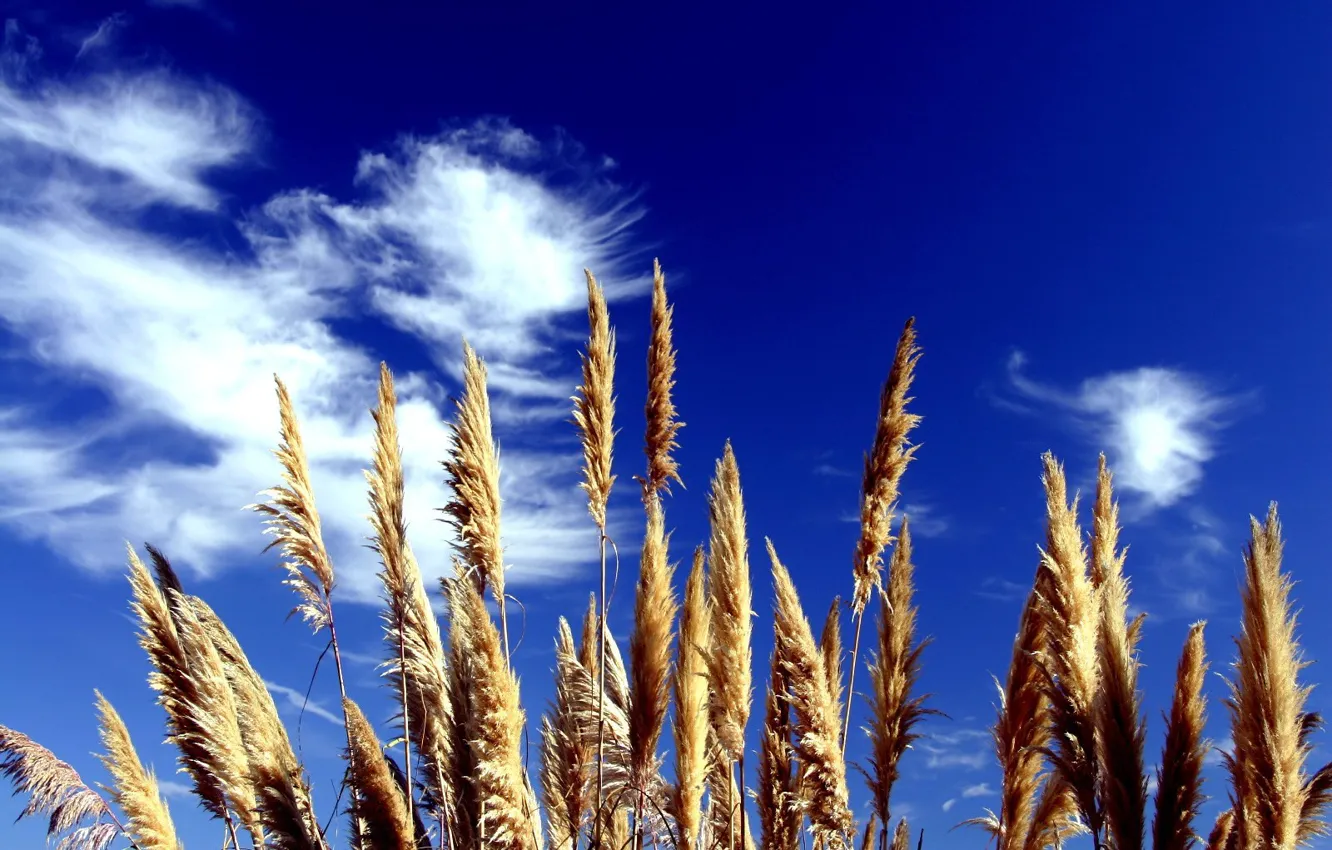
1068	735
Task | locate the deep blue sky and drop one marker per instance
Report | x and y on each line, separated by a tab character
1111	225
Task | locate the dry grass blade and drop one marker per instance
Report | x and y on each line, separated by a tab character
731	658
135	788
884	465
1179	779
494	723
1072	618
1268	718
691	705
895	712
55	789
378	804
1120	728
293	522
594	406
823	788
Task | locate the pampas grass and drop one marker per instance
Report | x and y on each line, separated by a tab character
895	709
594	414
822	790
135	788
1179	779
1069	737
691	705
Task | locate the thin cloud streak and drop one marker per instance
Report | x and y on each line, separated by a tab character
296	700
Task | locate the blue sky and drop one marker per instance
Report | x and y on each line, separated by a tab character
1112	228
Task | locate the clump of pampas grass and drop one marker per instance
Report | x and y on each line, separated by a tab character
649	747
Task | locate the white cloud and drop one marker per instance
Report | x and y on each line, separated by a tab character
19	54
981	790
123	140
827	470
1157	425
948	804
174	343
175	790
1003	590
1215	756
924	519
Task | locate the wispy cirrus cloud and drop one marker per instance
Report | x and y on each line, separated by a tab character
925	519
164	347
1002	589
1158	425
296	701
104	34
969	749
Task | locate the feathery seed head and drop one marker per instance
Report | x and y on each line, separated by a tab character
884	465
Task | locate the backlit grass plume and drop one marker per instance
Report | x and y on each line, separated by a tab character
823	791
691	705
1072	664
293	523
135	788
473	477
776	795
884	465
1179	778
1021	732
567	752
731	657
1120	728
1276	803
78	815
655	604
494	723
416	651
594	414
378	807
1068	736
594	406
895	708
